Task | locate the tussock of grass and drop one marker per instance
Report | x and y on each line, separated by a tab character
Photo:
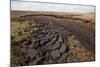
21	30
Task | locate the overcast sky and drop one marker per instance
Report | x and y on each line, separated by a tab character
35	6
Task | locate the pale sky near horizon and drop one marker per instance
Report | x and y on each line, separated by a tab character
36	6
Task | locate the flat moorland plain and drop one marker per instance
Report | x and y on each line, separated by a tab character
76	29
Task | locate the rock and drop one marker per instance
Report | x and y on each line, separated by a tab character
49	45
33	41
41	35
54	39
60	39
47	54
44	49
39	60
35	29
42	42
36	45
40	52
28	42
63	48
52	35
39	32
34	35
48	36
44	31
56	45
43	38
47	42
32	53
56	35
55	54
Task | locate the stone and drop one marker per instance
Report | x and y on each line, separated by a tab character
28	42
44	31
44	49
32	53
34	35
35	28
56	35
56	45
54	39
49	45
39	60
36	45
47	54
60	39
47	41
52	35
48	36
63	48
40	52
41	35
42	42
55	54
33	43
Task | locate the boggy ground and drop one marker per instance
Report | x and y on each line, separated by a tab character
49	38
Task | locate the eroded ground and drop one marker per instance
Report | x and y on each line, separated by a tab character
49	38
